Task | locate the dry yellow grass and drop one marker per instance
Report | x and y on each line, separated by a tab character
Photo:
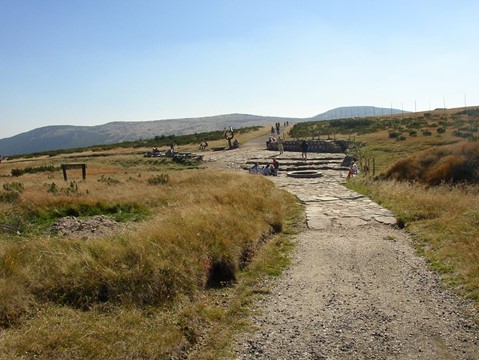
142	293
444	218
445	222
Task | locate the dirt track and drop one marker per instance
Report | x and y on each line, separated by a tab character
356	288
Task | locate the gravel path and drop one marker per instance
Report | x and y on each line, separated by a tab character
356	289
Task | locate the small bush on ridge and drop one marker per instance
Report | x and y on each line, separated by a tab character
452	164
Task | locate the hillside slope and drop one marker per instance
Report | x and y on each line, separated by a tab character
68	136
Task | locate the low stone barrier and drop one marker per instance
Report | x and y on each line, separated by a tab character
317	146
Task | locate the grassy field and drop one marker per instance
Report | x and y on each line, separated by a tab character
176	279
427	172
190	257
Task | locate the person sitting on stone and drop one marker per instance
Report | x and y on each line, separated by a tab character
171	151
266	170
155	152
255	169
203	145
275	166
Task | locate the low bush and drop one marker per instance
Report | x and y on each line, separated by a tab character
33	170
450	164
12	192
161	179
394	135
14	186
9	196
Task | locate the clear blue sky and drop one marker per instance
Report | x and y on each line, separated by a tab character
89	62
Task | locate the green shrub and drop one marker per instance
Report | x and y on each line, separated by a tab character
452	164
161	179
109	180
9	196
72	189
13	186
52	188
33	170
394	135
12	192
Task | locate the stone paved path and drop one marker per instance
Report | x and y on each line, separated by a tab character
356	289
328	200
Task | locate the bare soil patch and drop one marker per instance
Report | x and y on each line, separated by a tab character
93	227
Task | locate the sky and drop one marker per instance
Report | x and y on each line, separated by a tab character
90	62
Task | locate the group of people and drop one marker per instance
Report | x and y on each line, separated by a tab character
279	140
266	170
276	126
155	152
203	145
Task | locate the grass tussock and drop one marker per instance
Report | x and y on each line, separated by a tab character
142	293
63	333
451	164
445	222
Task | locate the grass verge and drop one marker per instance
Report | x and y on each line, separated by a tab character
444	221
177	283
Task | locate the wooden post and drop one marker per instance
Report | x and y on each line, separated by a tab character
73	166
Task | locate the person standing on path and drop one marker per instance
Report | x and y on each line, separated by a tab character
304	150
280	145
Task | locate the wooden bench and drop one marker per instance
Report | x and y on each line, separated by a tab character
73	166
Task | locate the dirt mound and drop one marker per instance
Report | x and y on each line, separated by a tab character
93	227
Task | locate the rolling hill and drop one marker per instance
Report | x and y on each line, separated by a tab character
68	136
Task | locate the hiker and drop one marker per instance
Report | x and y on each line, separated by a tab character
280	145
235	144
353	170
304	150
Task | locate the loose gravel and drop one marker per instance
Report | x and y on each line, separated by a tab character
356	289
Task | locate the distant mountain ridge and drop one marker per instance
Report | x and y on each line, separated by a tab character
69	136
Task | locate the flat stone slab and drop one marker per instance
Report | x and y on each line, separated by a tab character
328	202
327	198
389	220
351	222
320	223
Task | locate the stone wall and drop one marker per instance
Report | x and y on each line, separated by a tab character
317	146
